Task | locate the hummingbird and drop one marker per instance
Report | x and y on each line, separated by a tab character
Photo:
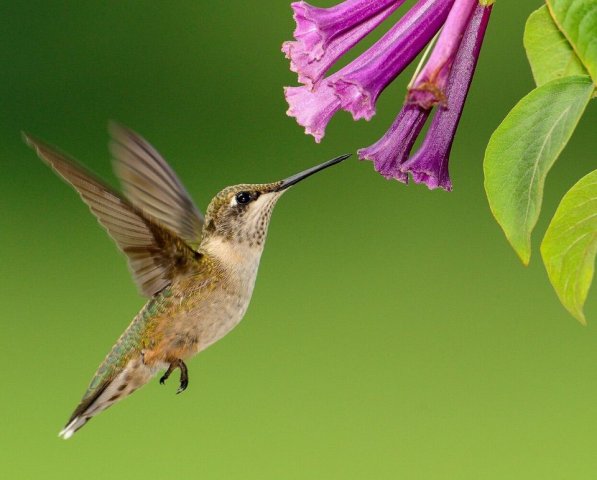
197	271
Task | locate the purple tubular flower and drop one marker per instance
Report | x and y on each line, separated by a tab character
310	71
312	110
359	84
428	88
317	27
391	150
429	165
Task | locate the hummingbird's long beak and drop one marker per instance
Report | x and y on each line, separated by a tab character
288	182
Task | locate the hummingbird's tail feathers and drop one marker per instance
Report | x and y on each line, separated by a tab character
96	400
72	427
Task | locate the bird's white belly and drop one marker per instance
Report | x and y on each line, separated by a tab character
225	316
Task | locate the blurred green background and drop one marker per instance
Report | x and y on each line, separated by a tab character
392	333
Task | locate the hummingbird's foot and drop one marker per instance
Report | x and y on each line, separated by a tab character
184	375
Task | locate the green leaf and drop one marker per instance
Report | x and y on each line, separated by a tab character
549	53
577	19
522	150
570	245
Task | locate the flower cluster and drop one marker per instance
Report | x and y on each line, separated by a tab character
323	35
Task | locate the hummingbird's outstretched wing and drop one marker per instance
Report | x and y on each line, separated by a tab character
155	255
152	186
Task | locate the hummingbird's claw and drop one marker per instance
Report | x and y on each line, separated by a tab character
183	386
167	373
184	375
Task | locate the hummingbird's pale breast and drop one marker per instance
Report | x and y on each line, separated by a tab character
204	308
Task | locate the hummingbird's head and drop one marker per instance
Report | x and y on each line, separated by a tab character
240	214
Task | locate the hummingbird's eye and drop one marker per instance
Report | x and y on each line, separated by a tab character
243	198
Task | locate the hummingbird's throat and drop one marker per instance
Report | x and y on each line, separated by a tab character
236	257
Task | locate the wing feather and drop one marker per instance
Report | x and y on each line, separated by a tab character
155	254
152	186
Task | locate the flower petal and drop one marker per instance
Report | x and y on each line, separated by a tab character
360	83
428	88
311	71
429	165
317	27
312	110
391	150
